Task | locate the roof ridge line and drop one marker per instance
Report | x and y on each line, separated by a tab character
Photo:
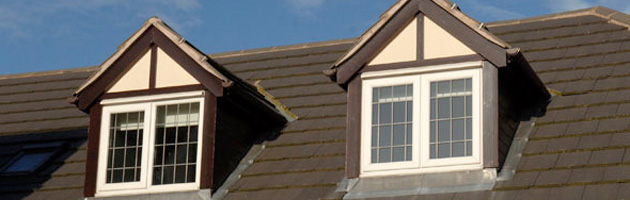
613	16
46	73
288	47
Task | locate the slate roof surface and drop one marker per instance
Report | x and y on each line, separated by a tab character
578	150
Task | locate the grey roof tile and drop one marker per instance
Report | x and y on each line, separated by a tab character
610	156
566	193
581	175
605	191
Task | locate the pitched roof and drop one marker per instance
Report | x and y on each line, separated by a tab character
577	150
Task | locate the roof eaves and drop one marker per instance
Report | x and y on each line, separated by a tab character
613	16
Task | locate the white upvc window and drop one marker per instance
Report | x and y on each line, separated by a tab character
150	146
421	122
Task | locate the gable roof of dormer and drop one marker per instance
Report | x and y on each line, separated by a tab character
211	75
469	31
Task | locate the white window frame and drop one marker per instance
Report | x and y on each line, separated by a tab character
149	105
421	79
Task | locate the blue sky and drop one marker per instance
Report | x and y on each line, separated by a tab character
59	34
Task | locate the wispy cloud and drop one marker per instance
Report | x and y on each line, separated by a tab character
22	19
305	8
492	13
567	5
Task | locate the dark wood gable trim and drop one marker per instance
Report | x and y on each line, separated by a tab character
420	8
348	69
91	164
150	39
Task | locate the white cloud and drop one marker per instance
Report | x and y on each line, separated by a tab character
567	5
305	8
22	19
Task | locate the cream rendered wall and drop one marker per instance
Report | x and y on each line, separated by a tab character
137	78
402	48
169	73
440	44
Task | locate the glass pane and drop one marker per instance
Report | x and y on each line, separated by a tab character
469	85
157	175
385	155
130	175
374	155
458	107
374	113
168	174
158	155
433	89
433	108
120	138
169	154
28	162
191	174
398	154
182	134
433	150
130	159
469	128
180	174
400	91
192	153
161	113
469	148
408	156
132	138
468	106
385	113
399	135
385	93
458	149
458	86
433	134
409	90
444	87
444	108
458	129
385	136
444	150
171	133
375	95
444	132
119	156
159	135
374	136
181	153
193	133
171	113
399	112
117	177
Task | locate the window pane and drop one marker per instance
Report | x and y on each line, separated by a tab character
385	136
385	155
444	130
399	112
399	154
399	135
458	107
385	113
180	138
28	162
391	123
444	150
458	129
451	119
444	108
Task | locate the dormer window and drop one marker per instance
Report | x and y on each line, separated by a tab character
165	118
149	145
426	88
421	122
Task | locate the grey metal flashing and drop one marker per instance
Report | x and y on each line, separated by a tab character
247	161
421	184
190	195
516	149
